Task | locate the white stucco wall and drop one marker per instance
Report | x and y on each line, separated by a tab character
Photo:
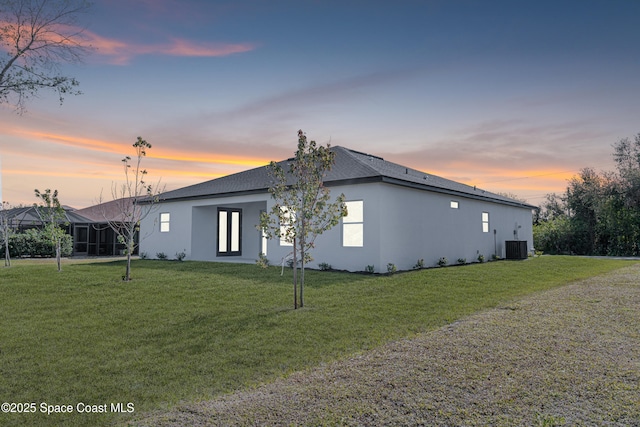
193	228
401	226
178	239
422	225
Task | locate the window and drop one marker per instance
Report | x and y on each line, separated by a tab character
263	239
485	222
164	222
454	204
229	232
353	225
289	217
263	242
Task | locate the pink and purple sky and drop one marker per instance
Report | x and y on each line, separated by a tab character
512	96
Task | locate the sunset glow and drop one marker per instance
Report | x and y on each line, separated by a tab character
511	98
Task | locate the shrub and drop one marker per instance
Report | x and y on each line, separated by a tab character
262	261
35	243
324	266
290	263
480	258
462	260
180	256
443	261
419	265
161	255
370	269
391	268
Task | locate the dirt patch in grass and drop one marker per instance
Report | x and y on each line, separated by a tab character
568	356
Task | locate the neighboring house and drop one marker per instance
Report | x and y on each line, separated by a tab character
96	237
92	235
24	218
396	215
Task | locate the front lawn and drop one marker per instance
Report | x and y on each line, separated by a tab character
188	331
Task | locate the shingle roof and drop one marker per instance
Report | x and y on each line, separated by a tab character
29	215
350	167
112	211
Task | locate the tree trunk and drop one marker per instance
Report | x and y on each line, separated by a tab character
130	244
295	276
302	285
302	254
127	273
58	256
7	257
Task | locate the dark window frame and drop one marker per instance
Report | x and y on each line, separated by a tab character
229	234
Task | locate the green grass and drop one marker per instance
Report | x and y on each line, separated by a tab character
189	331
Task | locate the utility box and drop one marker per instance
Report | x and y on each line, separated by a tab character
516	249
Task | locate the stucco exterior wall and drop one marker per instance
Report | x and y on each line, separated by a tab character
401	226
194	228
328	246
177	239
423	225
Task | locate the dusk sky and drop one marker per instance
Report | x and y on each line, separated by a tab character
511	96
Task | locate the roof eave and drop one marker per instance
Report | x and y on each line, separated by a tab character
204	196
468	195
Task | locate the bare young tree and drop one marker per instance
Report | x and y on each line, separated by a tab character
36	37
53	217
6	231
134	201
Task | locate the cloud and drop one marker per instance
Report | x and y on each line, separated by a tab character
517	144
181	47
277	117
336	91
118	52
515	156
199	156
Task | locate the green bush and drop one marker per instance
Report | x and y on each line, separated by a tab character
324	266
35	243
555	236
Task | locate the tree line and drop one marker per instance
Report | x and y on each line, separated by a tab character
599	213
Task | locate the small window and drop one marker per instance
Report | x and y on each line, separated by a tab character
164	222
353	225
454	204
485	222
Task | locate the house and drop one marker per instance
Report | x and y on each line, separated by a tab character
21	219
95	236
396	215
89	227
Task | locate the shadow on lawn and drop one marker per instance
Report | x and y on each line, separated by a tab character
237	271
